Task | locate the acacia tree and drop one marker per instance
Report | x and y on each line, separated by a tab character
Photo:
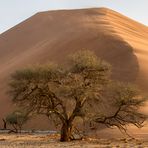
17	119
124	103
63	94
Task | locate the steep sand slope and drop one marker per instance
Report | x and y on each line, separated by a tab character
137	36
53	35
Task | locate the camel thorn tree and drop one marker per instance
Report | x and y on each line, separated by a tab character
64	94
125	101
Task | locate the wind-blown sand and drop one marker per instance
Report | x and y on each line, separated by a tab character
52	35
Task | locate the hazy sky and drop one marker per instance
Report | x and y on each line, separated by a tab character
13	12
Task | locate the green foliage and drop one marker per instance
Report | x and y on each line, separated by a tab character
87	64
84	60
16	117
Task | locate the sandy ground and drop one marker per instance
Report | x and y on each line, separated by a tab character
52	141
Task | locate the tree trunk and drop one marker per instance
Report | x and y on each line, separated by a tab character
15	128
66	132
20	128
5	124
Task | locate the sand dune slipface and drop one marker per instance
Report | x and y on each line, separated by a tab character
52	35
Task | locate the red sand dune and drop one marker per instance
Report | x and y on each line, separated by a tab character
53	35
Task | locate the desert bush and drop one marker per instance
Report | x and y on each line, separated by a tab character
17	119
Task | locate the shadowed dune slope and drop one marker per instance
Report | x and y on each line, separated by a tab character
52	35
